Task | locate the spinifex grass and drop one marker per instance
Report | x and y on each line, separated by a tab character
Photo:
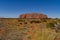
23	29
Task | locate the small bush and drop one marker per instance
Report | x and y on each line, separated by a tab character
44	20
50	25
35	22
21	20
25	23
57	28
21	23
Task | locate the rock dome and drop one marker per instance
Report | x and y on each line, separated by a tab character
33	15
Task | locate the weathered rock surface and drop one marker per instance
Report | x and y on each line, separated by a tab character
33	15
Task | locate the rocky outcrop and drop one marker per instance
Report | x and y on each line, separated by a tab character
33	15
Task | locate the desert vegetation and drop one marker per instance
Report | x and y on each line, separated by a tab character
29	29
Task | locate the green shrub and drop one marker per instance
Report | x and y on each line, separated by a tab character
50	25
21	20
43	20
25	22
34	21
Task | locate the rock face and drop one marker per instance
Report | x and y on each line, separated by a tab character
33	15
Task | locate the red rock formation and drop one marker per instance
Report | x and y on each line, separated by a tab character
33	15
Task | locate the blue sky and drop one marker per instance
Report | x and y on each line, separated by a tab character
13	8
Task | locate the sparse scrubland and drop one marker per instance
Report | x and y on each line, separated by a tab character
29	29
